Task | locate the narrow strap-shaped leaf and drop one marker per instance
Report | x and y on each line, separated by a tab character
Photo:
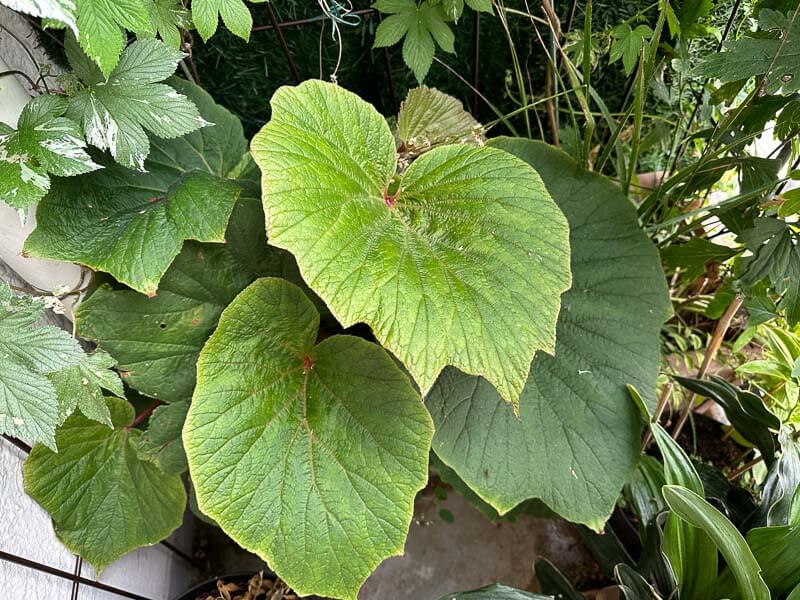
696	511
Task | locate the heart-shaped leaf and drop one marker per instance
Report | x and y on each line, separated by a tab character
104	500
460	260
577	436
309	455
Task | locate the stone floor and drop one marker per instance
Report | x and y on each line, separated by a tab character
443	555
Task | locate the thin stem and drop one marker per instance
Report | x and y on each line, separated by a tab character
713	347
745	468
142	416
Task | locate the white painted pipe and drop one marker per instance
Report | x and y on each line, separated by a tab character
41	274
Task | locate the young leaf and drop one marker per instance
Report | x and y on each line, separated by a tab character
420	24
577	436
429	118
28	353
102	25
162	443
59	10
116	112
234	13
697	512
774	56
186	193
157	340
309	455
44	142
104	500
462	264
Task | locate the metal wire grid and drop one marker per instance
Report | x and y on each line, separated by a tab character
276	26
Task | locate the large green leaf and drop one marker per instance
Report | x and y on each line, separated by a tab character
115	110
81	386
309	455
776	55
44	142
577	437
156	341
133	224
697	512
103	499
460	260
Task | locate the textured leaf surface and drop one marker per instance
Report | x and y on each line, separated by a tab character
115	112
429	118
463	265
309	455
420	24
777	56
168	17
157	340
44	142
133	224
102	25
103	499
28	401
162	443
577	437
234	13
81	386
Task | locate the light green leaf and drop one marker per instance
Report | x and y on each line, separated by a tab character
234	13
463	264
578	433
102	25
60	10
697	512
157	340
775	56
691	551
429	118
81	386
309	455
28	401
44	142
628	44
421	25
480	5
162	443
103	499
115	113
168	18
